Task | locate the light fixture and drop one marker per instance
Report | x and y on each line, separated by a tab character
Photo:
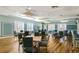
28	8
30	18
64	20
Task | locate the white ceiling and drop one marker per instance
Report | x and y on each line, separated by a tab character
46	12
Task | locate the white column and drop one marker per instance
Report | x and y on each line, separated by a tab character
77	25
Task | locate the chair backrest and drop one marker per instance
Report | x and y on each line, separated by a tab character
27	41
19	36
65	33
61	34
43	32
37	34
26	33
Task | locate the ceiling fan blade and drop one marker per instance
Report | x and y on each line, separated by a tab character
29	13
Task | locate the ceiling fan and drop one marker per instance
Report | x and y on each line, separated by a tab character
29	12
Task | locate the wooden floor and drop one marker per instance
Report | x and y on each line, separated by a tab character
66	46
54	46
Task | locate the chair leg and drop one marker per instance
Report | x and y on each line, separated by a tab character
19	48
44	48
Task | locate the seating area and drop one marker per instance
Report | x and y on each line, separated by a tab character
39	29
35	44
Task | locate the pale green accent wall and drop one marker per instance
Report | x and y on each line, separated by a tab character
6	28
7	24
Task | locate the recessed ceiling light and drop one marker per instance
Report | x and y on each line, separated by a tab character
64	20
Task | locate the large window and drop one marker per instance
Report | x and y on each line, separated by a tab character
29	26
18	26
62	27
51	27
40	26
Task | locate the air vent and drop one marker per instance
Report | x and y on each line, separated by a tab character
77	15
54	6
